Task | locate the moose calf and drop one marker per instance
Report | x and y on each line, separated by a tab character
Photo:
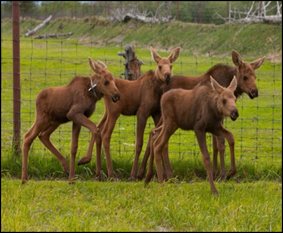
73	102
201	109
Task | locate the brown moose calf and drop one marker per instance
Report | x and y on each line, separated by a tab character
74	102
201	109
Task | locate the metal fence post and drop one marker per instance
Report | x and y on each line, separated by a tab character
16	76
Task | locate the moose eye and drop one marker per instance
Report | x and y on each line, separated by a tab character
106	83
160	68
224	101
245	78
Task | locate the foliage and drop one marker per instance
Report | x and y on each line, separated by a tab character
184	11
26	7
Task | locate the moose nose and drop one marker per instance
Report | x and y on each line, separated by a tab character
234	115
116	97
253	93
167	77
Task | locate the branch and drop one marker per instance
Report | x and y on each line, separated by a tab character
251	16
29	33
53	35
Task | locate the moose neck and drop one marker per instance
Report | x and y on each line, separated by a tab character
238	92
224	74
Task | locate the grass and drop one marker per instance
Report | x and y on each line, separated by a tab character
250	201
122	206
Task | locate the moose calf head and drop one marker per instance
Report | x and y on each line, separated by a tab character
103	80
164	65
226	102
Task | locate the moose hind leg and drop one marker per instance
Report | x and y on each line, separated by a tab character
74	146
29	137
44	137
221	148
215	154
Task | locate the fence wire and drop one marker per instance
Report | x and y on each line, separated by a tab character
54	62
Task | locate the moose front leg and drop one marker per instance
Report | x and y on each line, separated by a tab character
206	159
74	146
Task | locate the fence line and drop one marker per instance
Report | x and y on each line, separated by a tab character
52	62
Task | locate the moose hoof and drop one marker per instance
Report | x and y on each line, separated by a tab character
24	181
230	174
83	161
132	178
139	176
147	179
72	182
112	179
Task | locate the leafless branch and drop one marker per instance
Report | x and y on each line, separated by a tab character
124	14
53	35
29	33
255	14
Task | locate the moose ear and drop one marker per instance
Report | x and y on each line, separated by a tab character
154	55
233	84
236	58
94	66
257	63
101	64
174	55
215	85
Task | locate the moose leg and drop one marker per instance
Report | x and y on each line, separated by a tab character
152	137
147	153
165	158
44	137
86	159
29	137
231	141
106	133
74	147
206	159
98	142
151	156
141	123
142	168
215	154
80	119
158	148
166	163
167	129
221	148
141	171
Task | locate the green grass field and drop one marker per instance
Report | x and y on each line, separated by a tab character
122	206
250	201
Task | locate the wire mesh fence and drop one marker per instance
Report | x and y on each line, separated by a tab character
51	62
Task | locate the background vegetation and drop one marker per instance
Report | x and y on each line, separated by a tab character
206	12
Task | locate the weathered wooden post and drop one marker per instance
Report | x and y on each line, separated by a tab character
132	63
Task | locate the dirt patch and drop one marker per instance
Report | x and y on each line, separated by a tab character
274	57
